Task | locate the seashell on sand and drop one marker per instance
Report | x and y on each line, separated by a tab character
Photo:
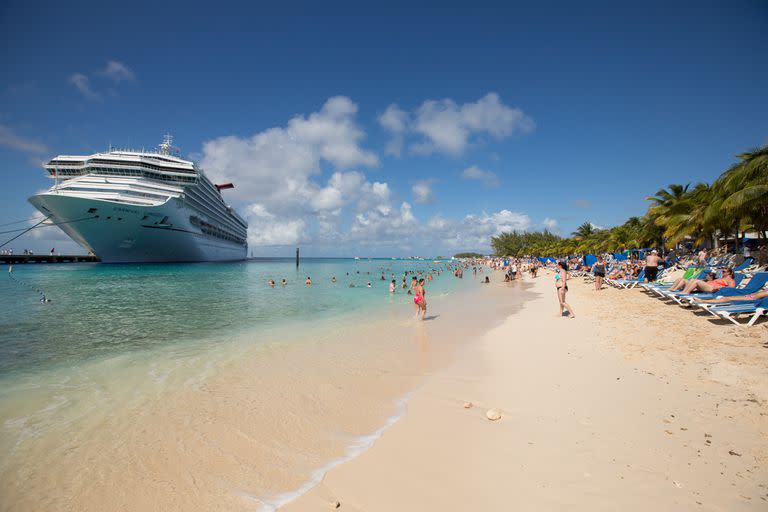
493	414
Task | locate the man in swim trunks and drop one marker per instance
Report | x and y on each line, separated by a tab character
652	266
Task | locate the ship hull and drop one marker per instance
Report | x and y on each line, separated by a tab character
126	233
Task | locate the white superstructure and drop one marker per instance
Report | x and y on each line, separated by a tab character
142	206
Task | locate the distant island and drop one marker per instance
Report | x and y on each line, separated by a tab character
469	255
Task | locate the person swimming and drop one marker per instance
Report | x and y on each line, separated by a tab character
271	283
392	286
333	279
308	282
284	282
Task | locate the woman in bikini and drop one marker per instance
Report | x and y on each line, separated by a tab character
711	286
561	285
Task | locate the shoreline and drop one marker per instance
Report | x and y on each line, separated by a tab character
259	422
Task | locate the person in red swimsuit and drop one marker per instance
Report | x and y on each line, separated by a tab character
420	300
711	286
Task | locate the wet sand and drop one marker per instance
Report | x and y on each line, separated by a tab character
252	429
633	405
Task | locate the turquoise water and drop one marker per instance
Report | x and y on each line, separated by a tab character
101	311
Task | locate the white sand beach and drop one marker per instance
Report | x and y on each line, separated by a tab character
633	405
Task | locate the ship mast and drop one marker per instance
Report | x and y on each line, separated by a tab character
167	147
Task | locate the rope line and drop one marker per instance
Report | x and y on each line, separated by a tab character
25	230
43	298
19	221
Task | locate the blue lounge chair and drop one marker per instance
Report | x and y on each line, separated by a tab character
747	262
629	283
689	297
660	288
755	284
756	309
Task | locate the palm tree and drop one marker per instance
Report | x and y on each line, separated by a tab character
584	231
665	203
743	191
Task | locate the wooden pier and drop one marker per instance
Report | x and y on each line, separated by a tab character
17	259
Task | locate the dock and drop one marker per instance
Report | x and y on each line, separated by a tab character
17	259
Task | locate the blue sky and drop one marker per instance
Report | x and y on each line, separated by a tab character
354	130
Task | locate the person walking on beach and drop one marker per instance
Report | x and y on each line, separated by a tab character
561	285
652	261
599	270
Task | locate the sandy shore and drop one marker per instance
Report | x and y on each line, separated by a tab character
633	405
243	427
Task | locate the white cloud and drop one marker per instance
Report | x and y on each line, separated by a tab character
117	71
422	192
448	128
395	121
385	225
438	223
550	224
83	84
10	139
277	173
275	167
475	173
265	229
474	231
114	70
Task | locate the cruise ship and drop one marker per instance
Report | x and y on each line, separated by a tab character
142	206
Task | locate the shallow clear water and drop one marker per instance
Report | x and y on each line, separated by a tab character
134	371
106	310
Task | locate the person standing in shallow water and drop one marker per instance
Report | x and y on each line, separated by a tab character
420	300
561	285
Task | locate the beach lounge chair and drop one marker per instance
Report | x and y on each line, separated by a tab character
729	312
680	298
661	288
628	283
756	283
744	265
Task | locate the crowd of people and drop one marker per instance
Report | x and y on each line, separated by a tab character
715	272
415	286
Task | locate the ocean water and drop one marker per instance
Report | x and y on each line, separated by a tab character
133	371
100	311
